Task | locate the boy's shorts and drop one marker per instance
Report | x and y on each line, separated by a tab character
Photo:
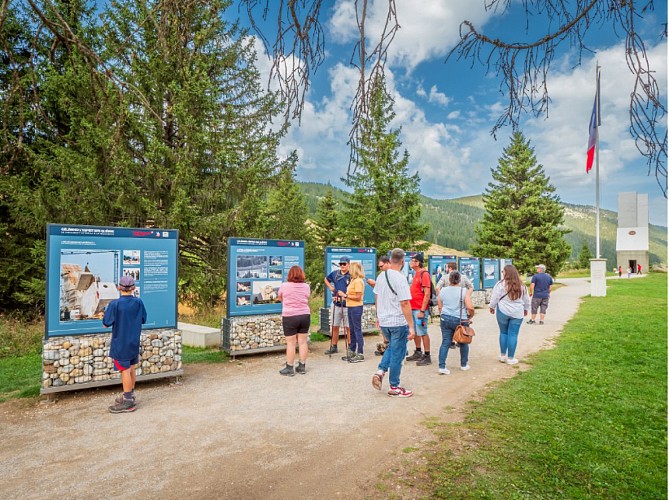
123	364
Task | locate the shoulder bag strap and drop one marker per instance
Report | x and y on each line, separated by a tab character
460	304
389	285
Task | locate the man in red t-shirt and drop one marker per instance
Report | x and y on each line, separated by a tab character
420	298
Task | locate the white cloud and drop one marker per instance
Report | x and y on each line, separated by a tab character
434	97
429	29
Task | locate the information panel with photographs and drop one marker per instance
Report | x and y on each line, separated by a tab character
256	269
437	265
491	272
85	264
471	267
365	256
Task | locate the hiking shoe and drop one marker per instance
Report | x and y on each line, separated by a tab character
301	368
531	322
288	371
512	361
453	345
541	322
349	355
399	392
119	399
425	360
465	368
377	380
125	406
331	350
444	371
357	358
416	356
502	359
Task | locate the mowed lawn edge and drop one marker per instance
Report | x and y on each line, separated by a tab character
588	420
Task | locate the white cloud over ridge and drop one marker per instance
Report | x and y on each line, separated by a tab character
448	134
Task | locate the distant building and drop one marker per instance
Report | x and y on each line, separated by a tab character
632	243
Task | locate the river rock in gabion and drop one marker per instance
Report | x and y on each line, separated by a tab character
254	332
85	359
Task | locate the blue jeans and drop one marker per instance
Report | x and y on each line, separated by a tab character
448	324
508	333
394	353
355	323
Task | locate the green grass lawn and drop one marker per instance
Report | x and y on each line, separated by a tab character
588	420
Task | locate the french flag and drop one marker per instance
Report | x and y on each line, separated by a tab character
595	121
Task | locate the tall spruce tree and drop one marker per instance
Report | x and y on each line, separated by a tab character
384	210
523	217
327	219
584	256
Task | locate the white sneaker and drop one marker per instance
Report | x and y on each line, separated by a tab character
444	371
464	368
502	359
512	361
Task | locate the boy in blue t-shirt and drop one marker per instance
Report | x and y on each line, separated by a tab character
125	315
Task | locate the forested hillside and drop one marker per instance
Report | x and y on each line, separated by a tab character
452	223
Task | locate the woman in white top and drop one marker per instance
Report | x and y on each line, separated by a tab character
512	302
455	307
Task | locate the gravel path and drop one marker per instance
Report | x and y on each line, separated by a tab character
240	430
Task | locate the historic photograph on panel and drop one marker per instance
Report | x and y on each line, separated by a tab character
131	257
252	266
243	300
87	282
244	286
266	292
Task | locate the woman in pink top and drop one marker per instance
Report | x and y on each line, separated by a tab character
296	319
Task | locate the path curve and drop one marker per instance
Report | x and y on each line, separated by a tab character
240	430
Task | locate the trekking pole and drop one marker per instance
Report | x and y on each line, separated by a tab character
332	326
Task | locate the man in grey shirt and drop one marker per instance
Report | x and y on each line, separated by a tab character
394	319
465	282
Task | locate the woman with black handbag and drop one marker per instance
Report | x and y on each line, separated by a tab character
455	308
512	302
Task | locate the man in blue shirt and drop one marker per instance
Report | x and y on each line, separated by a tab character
540	290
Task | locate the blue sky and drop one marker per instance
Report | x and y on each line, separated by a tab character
447	110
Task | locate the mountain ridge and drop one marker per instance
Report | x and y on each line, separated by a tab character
452	223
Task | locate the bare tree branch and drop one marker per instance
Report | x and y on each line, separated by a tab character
524	67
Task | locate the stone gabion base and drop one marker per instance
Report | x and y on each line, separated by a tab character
368	317
84	359
252	332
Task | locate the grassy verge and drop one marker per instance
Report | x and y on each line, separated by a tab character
588	420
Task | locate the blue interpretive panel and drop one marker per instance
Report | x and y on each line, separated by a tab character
366	257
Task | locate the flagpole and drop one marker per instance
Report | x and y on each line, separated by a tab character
597	158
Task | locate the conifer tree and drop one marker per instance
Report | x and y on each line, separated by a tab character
326	223
384	209
584	256
523	217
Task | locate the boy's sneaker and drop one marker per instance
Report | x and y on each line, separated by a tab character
125	406
399	392
119	399
357	358
444	371
416	356
425	360
301	368
331	350
288	371
377	380
531	322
